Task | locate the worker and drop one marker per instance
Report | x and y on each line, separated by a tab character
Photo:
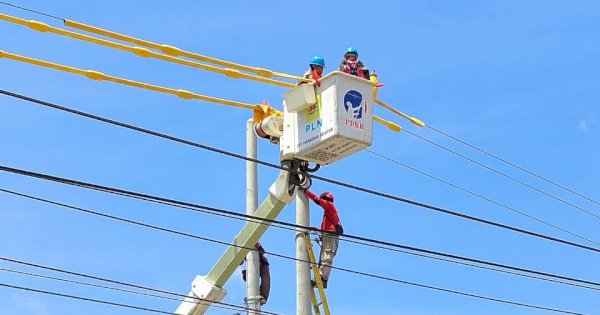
315	72
331	229
352	65
264	274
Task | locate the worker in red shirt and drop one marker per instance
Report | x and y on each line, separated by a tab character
331	229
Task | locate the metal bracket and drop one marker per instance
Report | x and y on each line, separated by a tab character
299	176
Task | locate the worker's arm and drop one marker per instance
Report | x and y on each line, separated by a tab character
313	197
261	249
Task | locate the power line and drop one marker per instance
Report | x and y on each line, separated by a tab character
427	126
238	156
199	300
75	297
504	175
513	165
352	238
30	10
474	265
90	284
481	196
349	271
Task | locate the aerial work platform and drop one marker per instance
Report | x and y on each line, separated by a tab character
326	122
323	122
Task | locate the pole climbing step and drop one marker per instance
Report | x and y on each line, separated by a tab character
317	276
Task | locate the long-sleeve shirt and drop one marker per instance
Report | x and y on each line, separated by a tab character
330	214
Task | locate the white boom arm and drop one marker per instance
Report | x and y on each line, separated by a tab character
208	289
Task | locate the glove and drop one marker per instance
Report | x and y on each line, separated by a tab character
319	240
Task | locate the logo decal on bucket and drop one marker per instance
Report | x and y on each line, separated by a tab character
353	104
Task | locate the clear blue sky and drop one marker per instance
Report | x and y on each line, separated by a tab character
517	78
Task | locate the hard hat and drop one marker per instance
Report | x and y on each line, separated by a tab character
327	196
317	61
351	50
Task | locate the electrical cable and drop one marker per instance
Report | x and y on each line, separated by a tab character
454	138
353	272
504	175
239	156
481	196
180	296
81	298
409	132
30	10
89	284
351	238
513	165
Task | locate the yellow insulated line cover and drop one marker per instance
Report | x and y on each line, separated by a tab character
174	51
95	75
142	52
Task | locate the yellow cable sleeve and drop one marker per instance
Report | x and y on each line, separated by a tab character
95	75
414	120
175	51
142	52
392	126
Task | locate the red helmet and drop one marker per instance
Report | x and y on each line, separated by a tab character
327	196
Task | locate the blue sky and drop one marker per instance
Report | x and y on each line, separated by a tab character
516	78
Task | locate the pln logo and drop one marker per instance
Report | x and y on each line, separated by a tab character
313	116
354	105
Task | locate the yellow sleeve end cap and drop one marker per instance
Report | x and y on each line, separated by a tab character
417	122
394	127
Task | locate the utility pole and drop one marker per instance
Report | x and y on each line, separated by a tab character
303	286
252	262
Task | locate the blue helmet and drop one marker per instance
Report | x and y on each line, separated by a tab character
351	50
317	61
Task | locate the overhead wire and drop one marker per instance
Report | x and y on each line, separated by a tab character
81	298
172	52
141	52
184	94
272	165
390	279
30	274
352	238
446	134
121	283
163	45
99	76
30	10
482	197
504	175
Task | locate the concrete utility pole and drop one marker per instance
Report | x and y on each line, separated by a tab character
303	287
252	261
